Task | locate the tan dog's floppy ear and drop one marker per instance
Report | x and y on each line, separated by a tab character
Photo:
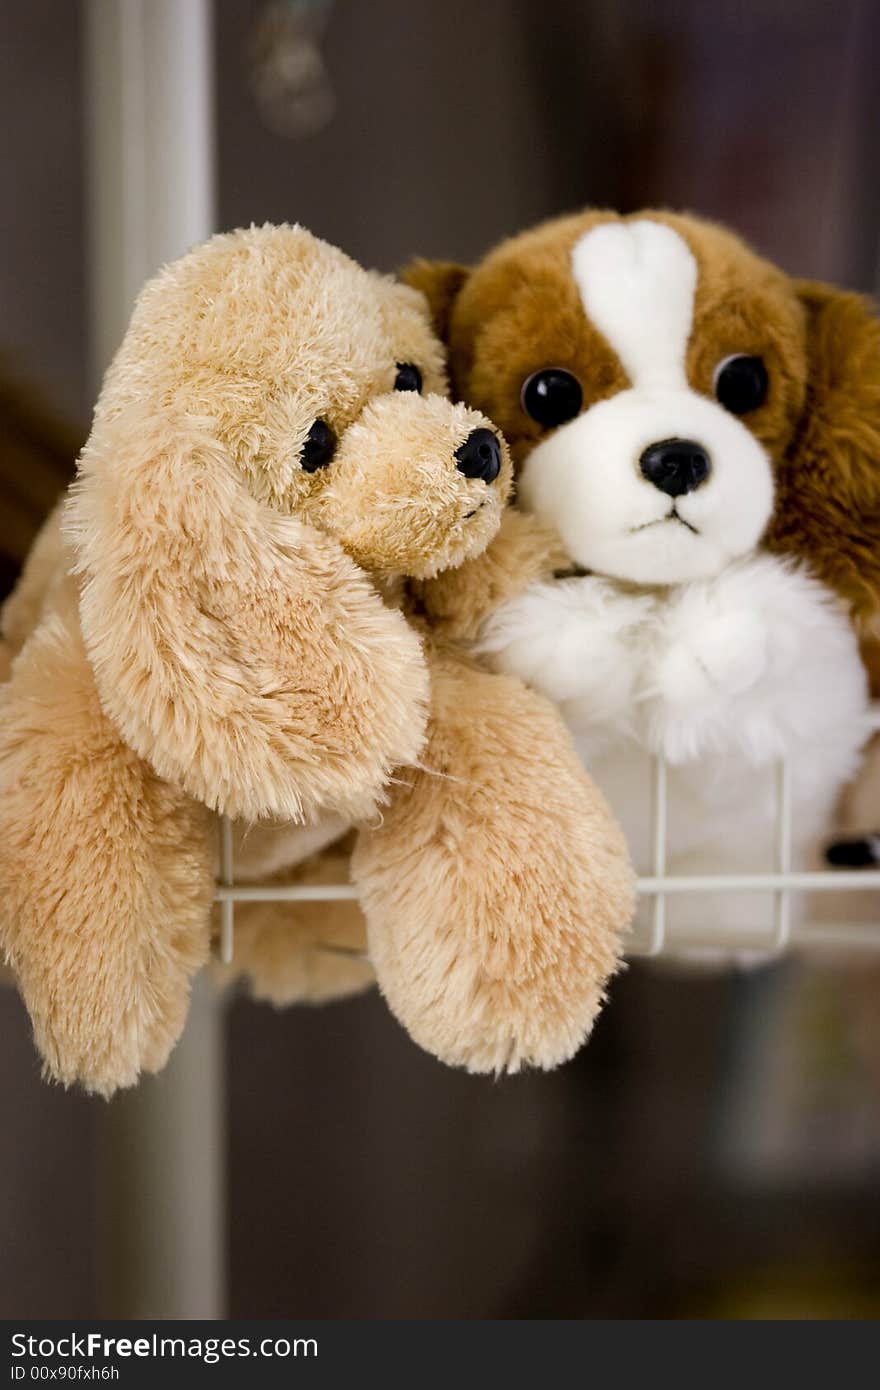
440	282
828	506
239	651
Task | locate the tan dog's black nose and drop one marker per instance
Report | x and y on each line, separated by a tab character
675	466
479	456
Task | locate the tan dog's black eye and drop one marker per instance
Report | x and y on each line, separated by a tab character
741	383
552	396
319	448
408	378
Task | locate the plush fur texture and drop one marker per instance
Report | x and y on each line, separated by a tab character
43	567
723	677
197	531
856	843
230	644
524	549
828	479
495	885
725	643
223	629
104	871
637	282
288	953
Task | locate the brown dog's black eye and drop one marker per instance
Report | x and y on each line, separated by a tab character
319	448
741	383
552	396
408	378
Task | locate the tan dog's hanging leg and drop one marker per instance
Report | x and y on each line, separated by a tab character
105	871
497	887
21	611
43	568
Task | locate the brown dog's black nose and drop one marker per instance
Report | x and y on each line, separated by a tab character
479	456
675	466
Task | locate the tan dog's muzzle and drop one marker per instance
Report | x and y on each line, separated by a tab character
417	485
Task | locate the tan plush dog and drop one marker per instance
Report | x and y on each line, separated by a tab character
220	631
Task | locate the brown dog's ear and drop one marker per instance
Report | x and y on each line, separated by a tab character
239	651
440	282
828	486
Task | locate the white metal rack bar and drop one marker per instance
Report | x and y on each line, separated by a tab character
659	816
834	880
843	935
227	904
782	882
783	857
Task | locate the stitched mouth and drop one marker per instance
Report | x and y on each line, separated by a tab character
573	572
468	515
661	521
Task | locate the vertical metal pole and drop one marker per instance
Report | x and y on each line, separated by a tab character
782	913
150	148
659	808
163	1183
151	195
227	907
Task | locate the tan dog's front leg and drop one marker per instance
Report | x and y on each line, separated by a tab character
105	873
457	601
498	885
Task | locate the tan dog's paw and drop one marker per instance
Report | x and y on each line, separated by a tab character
102	1033
458	601
105	964
498	887
300	953
102	1016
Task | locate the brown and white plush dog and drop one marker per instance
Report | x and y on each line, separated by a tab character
217	628
704	434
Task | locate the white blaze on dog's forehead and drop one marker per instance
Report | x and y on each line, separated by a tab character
637	283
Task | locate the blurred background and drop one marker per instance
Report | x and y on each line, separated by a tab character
715	1150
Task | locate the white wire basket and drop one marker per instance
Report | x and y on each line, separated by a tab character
787	930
